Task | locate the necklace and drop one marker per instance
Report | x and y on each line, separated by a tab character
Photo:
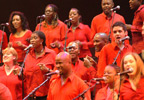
40	51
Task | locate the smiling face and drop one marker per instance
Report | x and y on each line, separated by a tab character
130	62
16	21
109	73
107	6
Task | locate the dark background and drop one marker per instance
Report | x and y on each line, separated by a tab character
34	8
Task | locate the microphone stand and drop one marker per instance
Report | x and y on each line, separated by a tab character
82	94
111	27
1	44
21	73
33	91
40	23
68	24
119	88
114	62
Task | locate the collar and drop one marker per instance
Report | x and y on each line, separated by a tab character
115	46
70	78
106	16
80	26
139	9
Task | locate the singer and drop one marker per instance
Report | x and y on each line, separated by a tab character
110	91
67	85
85	73
109	51
80	33
136	27
103	21
38	62
7	77
20	33
53	28
133	83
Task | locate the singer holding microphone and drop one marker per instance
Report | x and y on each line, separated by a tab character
53	28
110	91
20	33
39	61
80	33
133	83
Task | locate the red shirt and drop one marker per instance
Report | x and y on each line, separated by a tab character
83	34
12	82
83	72
101	23
5	41
24	40
107	55
136	29
53	34
105	94
127	93
69	90
33	75
5	94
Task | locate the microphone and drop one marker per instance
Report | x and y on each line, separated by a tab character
125	38
52	73
5	24
100	79
28	47
116	8
68	20
130	70
42	16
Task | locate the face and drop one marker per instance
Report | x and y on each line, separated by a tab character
134	4
109	73
16	21
62	64
130	62
35	40
98	43
118	33
107	6
49	12
73	14
8	57
73	50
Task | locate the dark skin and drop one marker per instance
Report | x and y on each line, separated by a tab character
134	5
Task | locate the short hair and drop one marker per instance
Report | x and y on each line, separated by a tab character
117	68
42	36
24	22
13	52
121	24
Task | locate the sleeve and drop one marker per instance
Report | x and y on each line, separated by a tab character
138	28
102	62
93	28
63	31
89	41
5	41
5	94
37	27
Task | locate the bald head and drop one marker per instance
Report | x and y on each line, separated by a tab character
64	56
100	39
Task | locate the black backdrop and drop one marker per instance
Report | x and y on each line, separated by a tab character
34	8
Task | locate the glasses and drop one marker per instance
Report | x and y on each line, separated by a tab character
71	48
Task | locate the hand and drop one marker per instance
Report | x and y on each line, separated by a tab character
16	71
43	67
128	26
55	44
10	44
93	62
87	63
20	44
